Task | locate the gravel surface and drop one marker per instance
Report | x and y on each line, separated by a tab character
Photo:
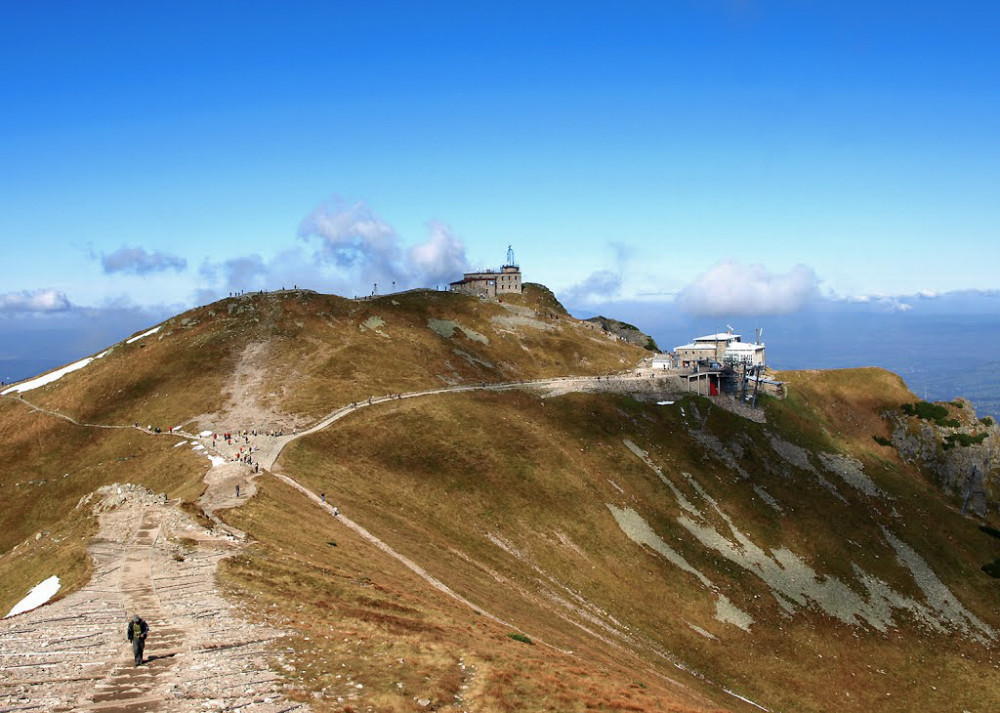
72	655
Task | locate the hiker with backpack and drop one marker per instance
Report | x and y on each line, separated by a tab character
136	633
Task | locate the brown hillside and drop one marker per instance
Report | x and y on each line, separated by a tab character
294	356
511	550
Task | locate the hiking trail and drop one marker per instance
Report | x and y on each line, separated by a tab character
151	559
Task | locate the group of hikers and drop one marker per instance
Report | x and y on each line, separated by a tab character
246	451
246	433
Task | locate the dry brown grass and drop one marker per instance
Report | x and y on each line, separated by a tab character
362	615
320	355
46	466
504	498
846	404
434	477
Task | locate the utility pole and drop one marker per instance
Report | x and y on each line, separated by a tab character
756	384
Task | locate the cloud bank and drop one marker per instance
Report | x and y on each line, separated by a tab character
729	288
34	302
136	261
441	258
601	285
354	240
598	286
352	236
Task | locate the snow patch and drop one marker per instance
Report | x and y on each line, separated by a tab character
137	337
205	434
39	595
217	461
48	378
182	443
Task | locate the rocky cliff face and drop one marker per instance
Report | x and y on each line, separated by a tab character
963	459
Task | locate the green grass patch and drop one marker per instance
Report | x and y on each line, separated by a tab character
953	440
520	637
925	410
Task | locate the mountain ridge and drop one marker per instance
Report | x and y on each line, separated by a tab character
647	539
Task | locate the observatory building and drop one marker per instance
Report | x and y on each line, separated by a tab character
492	283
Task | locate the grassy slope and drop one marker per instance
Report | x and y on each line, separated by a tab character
46	466
364	618
318	356
434	477
324	351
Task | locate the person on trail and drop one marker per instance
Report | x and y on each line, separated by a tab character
237	490
136	632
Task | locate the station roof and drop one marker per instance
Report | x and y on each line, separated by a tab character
743	347
706	347
720	337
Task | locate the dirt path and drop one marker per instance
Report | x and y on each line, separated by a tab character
266	449
72	655
151	559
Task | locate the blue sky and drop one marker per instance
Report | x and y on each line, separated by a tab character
155	156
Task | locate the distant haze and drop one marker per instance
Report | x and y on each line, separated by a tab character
940	355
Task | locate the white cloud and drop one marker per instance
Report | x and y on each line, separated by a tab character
353	237
441	258
605	284
365	249
882	303
729	288
36	301
598	286
137	261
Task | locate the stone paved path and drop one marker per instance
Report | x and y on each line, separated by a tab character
201	655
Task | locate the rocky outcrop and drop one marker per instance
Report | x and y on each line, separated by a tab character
626	332
963	459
